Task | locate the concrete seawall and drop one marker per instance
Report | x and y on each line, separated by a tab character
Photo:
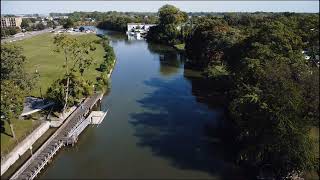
64	135
23	146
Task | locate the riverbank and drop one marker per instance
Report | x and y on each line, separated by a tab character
26	158
156	119
36	57
49	65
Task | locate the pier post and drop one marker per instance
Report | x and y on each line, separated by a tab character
31	150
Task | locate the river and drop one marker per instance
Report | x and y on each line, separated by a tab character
155	125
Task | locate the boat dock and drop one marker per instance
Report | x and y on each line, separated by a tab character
66	134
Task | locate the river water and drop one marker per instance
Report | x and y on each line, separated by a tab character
155	125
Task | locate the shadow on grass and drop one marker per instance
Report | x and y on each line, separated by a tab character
3	130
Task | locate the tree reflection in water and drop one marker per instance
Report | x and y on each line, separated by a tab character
176	118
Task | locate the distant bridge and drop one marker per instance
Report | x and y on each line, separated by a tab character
66	134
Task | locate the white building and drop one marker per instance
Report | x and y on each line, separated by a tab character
49	18
142	26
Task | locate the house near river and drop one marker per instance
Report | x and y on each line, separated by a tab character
139	26
138	30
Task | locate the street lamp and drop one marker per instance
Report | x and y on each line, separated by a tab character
38	74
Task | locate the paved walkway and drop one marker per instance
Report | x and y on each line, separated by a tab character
34	165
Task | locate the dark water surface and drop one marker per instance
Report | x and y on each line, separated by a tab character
155	124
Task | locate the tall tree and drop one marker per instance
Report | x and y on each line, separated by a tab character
68	24
25	23
169	14
77	57
209	43
15	83
168	31
269	102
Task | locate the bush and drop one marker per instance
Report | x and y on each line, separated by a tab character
68	24
103	67
40	26
78	89
102	82
9	31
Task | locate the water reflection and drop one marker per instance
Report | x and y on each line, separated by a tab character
170	61
134	38
174	129
156	124
209	92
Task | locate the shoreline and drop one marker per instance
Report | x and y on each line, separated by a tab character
41	136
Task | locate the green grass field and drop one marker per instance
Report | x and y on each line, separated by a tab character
21	129
39	53
40	56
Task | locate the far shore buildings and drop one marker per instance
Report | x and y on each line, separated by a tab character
10	22
136	26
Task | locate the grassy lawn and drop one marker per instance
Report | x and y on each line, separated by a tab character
40	55
314	134
21	129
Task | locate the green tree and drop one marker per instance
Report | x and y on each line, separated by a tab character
209	43
15	83
40	26
269	102
169	14
77	59
12	99
25	23
169	29
50	23
9	31
78	89
68	24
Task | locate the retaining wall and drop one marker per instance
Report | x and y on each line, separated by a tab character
23	146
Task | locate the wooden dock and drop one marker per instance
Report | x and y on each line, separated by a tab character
66	134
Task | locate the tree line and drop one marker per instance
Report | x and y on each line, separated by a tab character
113	20
273	89
118	22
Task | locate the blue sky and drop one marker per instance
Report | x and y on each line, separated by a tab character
45	7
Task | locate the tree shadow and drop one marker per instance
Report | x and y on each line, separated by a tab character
3	130
212	92
170	60
5	133
173	126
